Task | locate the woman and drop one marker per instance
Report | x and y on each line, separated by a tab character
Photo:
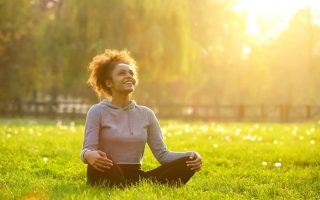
117	130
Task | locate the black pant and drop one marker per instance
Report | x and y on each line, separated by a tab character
175	173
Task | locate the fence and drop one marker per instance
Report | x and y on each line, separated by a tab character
78	109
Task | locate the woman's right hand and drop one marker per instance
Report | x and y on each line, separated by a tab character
98	159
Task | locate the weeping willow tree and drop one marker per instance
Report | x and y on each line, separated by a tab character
187	51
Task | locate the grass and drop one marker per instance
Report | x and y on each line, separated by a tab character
40	160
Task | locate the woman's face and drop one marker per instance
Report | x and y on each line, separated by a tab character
123	79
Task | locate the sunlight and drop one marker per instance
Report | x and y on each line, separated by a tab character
267	18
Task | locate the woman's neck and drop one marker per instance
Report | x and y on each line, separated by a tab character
120	100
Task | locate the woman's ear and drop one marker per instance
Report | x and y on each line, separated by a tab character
108	83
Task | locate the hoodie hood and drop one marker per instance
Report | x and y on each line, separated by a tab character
108	103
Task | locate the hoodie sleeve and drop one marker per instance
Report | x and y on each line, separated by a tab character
91	131
156	143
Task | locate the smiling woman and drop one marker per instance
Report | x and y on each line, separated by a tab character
117	130
102	68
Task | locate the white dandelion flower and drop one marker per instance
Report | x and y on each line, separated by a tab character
312	142
264	163
45	159
277	164
237	133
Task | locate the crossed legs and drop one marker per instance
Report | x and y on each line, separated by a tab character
175	173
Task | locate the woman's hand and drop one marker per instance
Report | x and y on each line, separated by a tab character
195	163
98	159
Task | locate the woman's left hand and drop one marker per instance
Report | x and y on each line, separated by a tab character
195	162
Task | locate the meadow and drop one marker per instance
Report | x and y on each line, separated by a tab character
40	159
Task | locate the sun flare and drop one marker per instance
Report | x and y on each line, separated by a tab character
267	18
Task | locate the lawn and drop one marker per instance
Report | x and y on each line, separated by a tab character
40	160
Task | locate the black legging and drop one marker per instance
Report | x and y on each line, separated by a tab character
175	173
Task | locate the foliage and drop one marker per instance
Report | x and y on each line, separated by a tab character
198	51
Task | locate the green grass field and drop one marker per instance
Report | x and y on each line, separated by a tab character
40	160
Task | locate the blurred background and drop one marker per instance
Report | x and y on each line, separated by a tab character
236	60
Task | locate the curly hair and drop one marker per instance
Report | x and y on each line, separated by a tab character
102	66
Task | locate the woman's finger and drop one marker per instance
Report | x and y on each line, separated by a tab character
194	161
106	160
196	169
104	164
97	167
193	164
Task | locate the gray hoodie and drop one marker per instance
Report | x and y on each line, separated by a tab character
122	133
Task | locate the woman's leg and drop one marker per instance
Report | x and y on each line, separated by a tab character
110	177
174	173
132	173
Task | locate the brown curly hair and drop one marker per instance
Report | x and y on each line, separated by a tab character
102	66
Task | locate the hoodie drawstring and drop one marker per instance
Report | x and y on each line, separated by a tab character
128	111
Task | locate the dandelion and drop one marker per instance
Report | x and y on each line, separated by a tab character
264	163
312	142
187	128
259	139
59	123
275	141
45	159
215	145
237	133
246	137
256	126
8	135
73	129
277	164
227	138
294	132
203	128
301	137
253	138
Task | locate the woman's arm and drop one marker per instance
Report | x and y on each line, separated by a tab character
156	143
91	132
90	153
